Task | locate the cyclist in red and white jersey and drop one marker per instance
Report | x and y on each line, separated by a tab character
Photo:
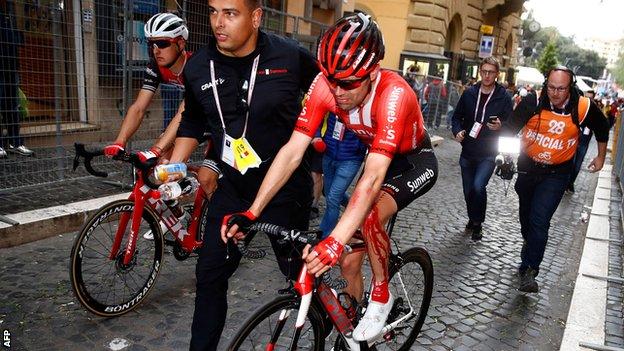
166	36
382	109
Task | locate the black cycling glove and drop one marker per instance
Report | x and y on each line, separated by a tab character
244	220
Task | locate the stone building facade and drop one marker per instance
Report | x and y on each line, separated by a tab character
443	36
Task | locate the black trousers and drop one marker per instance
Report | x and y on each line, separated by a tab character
9	110
215	266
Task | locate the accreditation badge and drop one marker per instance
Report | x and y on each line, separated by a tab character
227	155
476	128
246	157
338	132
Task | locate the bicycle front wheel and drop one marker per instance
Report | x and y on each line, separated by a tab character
273	328
107	287
411	284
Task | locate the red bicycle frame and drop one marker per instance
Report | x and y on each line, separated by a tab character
142	195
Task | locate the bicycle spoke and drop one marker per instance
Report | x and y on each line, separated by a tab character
277	329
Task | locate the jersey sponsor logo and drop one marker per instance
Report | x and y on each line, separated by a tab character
209	84
304	110
392	103
318	76
386	142
414	185
392	114
545	141
544	157
303	129
390	189
269	71
150	72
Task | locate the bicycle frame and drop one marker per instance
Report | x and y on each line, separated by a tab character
143	195
304	286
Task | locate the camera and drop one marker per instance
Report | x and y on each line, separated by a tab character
505	166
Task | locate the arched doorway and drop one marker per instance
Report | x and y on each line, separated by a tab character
452	47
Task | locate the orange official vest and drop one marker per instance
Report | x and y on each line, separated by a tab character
551	138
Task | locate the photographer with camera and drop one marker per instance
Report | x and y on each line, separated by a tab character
550	131
477	120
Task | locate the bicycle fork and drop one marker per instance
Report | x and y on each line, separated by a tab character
137	214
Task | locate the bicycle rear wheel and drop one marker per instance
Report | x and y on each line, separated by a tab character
411	284
266	328
107	287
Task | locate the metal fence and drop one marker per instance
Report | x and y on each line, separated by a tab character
437	98
617	154
78	66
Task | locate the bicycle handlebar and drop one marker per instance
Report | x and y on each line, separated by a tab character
124	156
305	237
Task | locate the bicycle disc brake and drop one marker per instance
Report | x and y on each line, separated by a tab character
179	253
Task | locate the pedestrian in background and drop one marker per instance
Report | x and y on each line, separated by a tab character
549	140
341	162
477	120
316	172
11	39
435	94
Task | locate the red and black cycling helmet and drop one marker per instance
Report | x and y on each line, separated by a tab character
351	47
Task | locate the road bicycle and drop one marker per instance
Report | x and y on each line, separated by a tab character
309	311
113	266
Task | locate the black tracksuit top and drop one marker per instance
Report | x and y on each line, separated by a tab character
285	71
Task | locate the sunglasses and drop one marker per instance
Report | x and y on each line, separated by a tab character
161	43
347	84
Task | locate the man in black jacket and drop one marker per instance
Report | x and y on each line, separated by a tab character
245	88
477	121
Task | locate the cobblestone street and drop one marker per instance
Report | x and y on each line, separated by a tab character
475	303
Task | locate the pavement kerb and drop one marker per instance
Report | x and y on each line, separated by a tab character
586	316
46	222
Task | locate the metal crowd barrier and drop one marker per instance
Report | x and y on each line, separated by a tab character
79	65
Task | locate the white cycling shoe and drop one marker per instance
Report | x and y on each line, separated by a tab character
373	321
149	235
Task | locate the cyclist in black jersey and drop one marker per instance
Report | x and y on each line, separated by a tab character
166	36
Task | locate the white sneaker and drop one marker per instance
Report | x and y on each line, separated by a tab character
373	321
3	153
149	235
22	150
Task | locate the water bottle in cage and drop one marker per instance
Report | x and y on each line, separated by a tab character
172	190
170	172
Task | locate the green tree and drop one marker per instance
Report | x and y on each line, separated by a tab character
548	60
582	62
618	71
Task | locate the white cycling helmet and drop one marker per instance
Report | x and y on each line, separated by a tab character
166	25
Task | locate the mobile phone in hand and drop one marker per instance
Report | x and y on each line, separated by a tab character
491	119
